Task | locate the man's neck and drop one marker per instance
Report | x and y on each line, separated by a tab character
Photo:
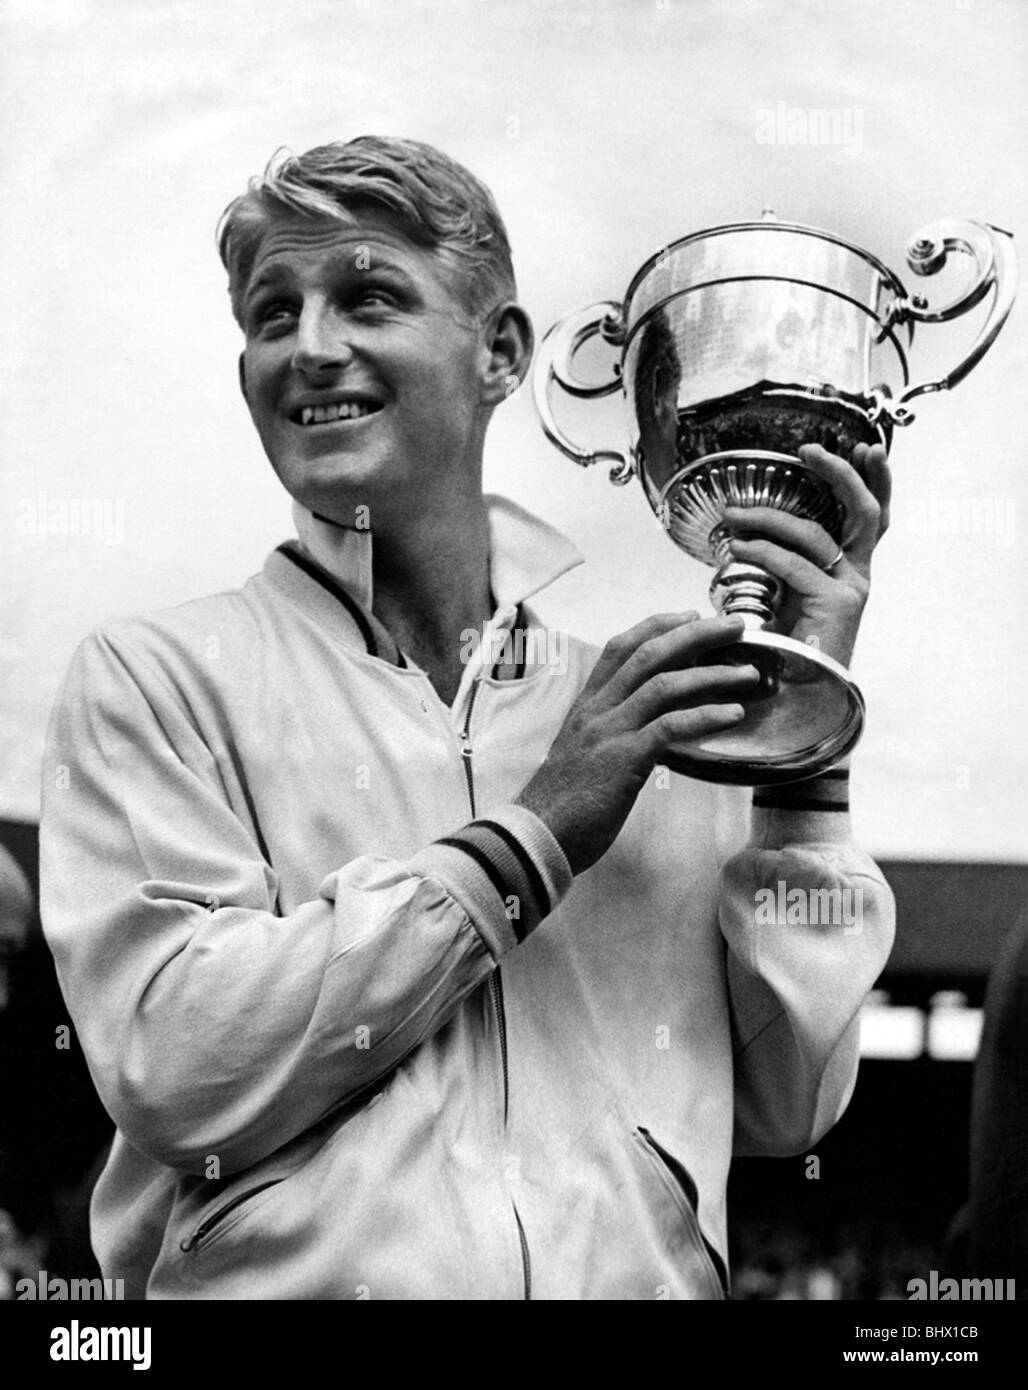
431	585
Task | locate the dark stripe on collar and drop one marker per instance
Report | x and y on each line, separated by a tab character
523	663
336	590
519	622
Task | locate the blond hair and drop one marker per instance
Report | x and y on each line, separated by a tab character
435	201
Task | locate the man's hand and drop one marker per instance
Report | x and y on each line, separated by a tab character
820	603
644	697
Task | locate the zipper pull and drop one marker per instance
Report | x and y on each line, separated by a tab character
465	746
465	733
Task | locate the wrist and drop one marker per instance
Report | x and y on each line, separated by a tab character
827	791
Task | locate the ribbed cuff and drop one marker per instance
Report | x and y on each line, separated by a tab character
810	812
505	869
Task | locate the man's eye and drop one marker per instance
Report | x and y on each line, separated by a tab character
273	314
374	297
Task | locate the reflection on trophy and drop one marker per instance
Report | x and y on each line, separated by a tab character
737	345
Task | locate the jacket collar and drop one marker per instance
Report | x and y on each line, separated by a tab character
525	556
525	553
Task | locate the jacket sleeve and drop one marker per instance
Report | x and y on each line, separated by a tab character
213	1025
808	920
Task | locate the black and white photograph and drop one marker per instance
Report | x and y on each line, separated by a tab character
512	736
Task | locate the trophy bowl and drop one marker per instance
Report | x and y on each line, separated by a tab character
735	346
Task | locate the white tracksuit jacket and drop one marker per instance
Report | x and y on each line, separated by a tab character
360	1032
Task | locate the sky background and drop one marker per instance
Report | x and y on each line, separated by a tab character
606	130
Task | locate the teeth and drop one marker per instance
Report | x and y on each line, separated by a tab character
343	410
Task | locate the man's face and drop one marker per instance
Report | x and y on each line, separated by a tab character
362	368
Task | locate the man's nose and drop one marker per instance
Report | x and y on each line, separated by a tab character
322	342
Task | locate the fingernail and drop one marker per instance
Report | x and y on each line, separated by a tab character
734	711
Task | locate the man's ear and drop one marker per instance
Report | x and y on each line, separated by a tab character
242	377
507	349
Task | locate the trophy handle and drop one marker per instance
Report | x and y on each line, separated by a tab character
992	250
555	363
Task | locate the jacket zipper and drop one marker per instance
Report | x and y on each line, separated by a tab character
495	982
684	1185
218	1215
465	747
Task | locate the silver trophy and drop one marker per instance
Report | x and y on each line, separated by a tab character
735	346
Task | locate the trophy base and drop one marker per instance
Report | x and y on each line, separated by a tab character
805	717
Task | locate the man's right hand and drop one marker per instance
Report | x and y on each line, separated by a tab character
645	697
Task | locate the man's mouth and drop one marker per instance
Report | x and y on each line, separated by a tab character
337	410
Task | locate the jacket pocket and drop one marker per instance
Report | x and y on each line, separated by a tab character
220	1217
679	1182
206	1216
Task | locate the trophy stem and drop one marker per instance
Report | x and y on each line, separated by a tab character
742	588
747	590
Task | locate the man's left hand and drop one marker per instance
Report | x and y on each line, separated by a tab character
822	599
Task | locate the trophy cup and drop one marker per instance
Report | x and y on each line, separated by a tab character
736	345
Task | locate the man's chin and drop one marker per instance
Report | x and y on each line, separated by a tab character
335	488
340	506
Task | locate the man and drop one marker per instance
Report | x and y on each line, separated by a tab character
16	907
407	975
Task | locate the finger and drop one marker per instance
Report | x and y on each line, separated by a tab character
859	457
878	476
765	523
684	726
799	573
670	651
863	513
689	689
621	646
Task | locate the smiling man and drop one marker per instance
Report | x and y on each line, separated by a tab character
385	421
403	970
